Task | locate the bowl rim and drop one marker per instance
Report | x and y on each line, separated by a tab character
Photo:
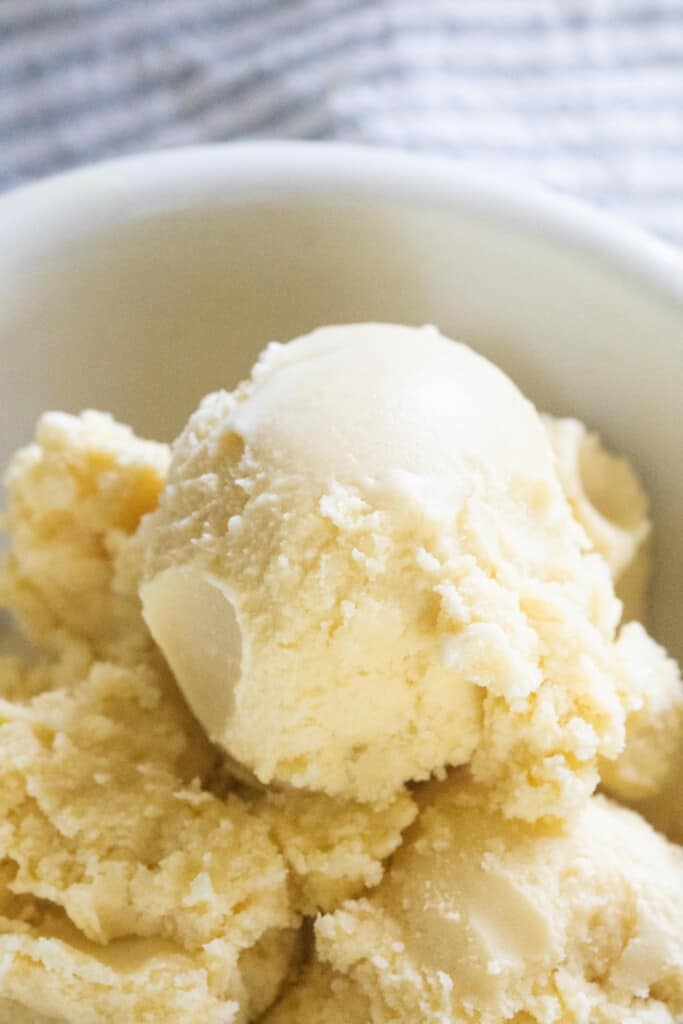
142	184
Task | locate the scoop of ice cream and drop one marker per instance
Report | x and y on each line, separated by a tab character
484	919
75	497
128	892
611	505
56	977
363	568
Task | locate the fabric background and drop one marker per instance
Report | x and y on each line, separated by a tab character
584	95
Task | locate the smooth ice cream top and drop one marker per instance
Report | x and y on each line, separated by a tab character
359	404
363	569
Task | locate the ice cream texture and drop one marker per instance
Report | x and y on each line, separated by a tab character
483	919
367	563
128	893
363	569
76	496
137	882
611	505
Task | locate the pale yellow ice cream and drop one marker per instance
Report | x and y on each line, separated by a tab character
386	568
127	890
334	849
127	893
131	892
484	919
654	723
75	498
609	501
363	569
320	996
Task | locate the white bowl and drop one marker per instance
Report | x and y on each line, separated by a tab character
139	285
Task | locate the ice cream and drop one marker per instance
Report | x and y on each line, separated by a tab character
75	498
334	849
320	996
140	882
127	892
609	501
484	919
364	565
363	569
654	723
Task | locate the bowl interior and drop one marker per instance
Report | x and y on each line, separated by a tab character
142	311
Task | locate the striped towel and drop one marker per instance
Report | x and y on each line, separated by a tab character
584	95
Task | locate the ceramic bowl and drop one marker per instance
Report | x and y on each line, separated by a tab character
140	284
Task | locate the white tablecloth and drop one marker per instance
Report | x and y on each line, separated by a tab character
585	95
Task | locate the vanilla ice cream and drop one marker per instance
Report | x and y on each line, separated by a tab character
610	502
75	498
363	569
365	565
128	892
485	919
334	849
137	885
654	722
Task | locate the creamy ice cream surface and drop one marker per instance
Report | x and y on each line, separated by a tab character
490	920
289	579
609	501
369	564
137	882
364	569
76	496
128	892
654	723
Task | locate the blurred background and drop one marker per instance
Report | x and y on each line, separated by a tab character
583	95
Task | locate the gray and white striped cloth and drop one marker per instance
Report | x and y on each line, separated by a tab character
584	95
